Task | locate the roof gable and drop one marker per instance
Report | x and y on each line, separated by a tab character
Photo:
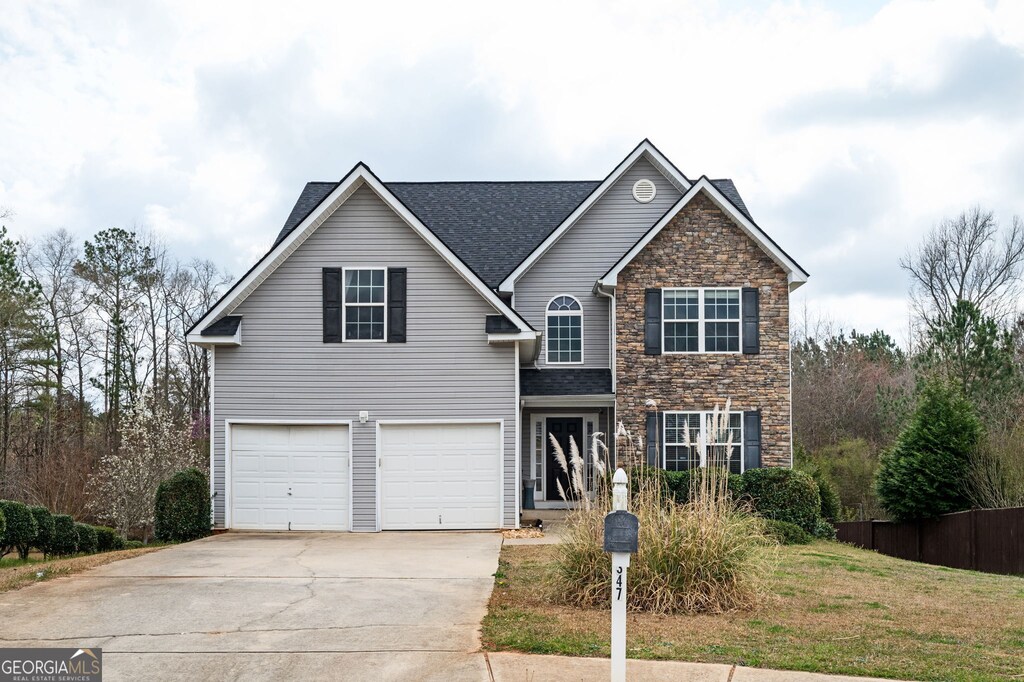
796	274
645	149
358	177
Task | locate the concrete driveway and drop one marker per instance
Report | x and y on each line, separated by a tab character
274	606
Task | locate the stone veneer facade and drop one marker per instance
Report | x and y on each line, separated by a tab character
702	247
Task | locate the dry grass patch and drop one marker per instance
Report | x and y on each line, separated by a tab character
836	609
14	576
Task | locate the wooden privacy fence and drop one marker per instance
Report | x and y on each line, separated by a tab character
990	540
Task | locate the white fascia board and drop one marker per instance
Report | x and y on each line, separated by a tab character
599	400
196	338
795	274
514	336
210	341
356	178
645	149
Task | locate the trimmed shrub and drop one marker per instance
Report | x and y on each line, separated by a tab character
87	540
44	534
107	539
21	527
65	537
784	495
183	507
824	530
680	484
786	533
924	474
133	544
831	507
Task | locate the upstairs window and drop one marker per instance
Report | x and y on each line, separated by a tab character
365	303
701	320
564	331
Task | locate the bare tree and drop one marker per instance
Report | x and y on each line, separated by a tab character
967	258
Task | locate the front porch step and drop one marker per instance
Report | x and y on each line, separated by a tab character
544	515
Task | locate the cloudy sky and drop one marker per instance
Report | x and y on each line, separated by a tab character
849	127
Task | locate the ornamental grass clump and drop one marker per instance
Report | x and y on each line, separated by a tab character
707	555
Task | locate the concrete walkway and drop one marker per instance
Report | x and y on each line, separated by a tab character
509	667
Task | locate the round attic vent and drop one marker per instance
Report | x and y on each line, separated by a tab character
644	191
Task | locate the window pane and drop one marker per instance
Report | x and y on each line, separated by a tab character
724	457
364	322
725	447
364	286
676	424
681	304
681	458
721	337
681	337
722	305
564	303
565	338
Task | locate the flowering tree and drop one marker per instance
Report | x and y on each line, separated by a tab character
153	448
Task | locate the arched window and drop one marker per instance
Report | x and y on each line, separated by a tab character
564	331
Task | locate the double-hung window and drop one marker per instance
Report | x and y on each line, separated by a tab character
564	331
365	304
701	320
686	432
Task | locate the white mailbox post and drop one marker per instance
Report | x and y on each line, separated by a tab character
621	530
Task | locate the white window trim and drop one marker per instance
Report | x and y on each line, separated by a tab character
700	322
561	313
705	416
345	305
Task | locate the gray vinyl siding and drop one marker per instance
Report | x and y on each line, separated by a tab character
446	370
586	252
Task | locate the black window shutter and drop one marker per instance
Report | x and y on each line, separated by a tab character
652	439
396	304
752	440
332	305
652	322
751	321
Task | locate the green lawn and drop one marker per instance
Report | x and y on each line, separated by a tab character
836	609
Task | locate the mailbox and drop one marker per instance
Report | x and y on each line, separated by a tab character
620	532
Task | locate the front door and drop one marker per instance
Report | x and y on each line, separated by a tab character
562	429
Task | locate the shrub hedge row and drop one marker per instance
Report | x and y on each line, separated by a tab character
182	514
778	494
24	528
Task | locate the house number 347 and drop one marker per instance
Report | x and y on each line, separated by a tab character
618	583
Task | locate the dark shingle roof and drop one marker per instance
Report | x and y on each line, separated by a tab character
225	326
728	188
565	381
492	226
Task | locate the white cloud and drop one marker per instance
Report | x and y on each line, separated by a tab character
849	131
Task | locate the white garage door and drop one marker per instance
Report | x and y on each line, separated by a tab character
289	477
440	476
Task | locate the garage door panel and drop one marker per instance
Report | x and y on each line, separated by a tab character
293	476
440	476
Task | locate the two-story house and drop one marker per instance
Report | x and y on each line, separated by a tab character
404	354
